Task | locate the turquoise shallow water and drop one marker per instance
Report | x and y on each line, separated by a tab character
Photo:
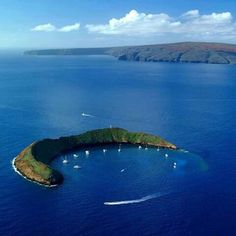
192	106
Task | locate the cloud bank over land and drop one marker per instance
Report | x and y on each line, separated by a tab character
146	28
189	23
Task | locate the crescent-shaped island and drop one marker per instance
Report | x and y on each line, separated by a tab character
33	163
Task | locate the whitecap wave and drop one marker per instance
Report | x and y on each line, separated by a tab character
183	150
134	201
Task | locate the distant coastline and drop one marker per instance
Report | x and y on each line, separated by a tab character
184	52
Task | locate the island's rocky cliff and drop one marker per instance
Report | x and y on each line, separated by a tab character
187	52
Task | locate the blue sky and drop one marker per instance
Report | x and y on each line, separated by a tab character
96	23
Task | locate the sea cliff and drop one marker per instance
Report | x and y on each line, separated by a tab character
183	52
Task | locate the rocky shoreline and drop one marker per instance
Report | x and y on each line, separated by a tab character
183	52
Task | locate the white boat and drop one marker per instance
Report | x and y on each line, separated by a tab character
119	149
146	148
65	161
104	150
175	165
87	152
158	149
166	155
139	147
122	170
76	167
75	155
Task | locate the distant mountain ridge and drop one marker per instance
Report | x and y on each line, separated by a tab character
185	52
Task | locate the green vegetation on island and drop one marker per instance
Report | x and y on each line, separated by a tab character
33	162
185	52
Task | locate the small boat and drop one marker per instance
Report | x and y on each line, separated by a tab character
175	165
122	170
75	155
87	152
158	149
139	147
86	115
104	150
65	161
76	167
119	149
146	148
166	155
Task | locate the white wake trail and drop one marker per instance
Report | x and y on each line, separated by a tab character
87	115
143	199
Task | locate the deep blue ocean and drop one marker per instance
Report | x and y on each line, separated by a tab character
190	105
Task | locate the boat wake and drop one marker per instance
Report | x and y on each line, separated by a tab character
87	115
135	201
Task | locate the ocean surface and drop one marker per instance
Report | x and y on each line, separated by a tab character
134	192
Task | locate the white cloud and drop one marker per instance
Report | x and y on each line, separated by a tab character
137	23
45	27
190	23
50	28
69	28
191	14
